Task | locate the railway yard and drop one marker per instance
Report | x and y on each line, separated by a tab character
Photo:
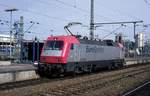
48	48
102	83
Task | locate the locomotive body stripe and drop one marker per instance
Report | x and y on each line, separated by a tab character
51	53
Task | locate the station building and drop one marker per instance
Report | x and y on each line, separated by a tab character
30	50
5	46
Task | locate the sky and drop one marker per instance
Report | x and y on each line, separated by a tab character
53	15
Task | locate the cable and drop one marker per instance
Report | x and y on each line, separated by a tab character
62	2
45	15
37	13
48	3
56	18
118	12
80	9
147	2
105	30
113	31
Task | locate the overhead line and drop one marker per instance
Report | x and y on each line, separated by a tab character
121	13
37	13
57	18
47	3
112	32
45	15
80	9
147	2
104	30
65	3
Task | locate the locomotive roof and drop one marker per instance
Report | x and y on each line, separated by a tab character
74	39
68	38
85	41
95	42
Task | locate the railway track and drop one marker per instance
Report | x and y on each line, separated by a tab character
140	90
19	84
8	86
96	83
79	85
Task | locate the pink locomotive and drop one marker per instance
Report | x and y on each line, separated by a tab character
65	54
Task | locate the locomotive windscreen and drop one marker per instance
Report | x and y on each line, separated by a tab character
54	45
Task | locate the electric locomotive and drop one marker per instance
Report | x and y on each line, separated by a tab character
65	54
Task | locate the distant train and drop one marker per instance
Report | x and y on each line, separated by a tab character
69	54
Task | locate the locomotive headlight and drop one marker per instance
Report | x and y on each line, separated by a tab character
35	63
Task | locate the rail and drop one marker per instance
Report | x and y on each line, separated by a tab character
129	93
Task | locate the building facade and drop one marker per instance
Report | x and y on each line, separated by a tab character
5	46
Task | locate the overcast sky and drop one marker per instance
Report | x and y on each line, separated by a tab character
53	15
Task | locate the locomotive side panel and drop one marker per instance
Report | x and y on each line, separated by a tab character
88	56
86	52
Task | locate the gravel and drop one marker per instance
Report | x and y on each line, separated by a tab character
111	89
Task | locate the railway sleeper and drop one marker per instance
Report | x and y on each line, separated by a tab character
97	84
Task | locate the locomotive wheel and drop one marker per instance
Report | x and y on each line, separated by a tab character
90	68
44	71
121	64
111	67
41	72
116	66
94	68
76	71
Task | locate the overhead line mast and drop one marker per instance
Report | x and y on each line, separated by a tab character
92	20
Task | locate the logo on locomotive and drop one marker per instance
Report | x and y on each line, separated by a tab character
94	49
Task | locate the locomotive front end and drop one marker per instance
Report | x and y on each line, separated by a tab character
52	52
55	54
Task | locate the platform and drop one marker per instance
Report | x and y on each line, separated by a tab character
131	61
17	72
5	63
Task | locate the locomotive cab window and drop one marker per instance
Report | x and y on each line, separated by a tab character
54	45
